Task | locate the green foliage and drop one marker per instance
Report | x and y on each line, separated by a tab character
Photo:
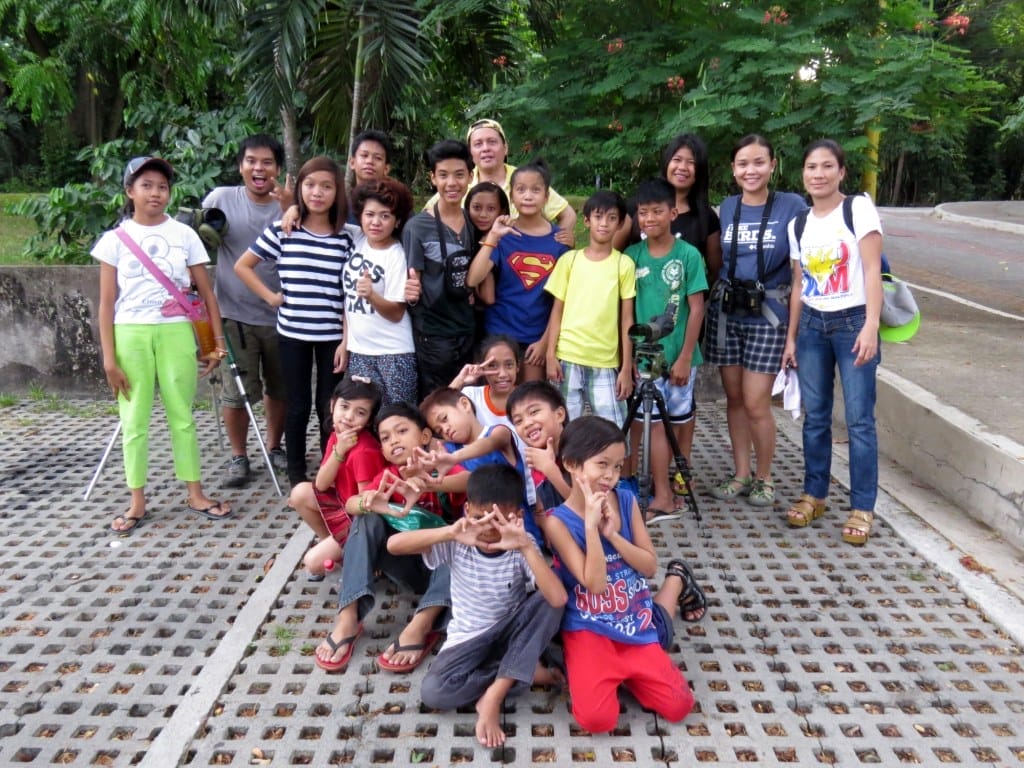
200	147
613	88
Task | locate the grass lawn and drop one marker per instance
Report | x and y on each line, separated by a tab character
14	231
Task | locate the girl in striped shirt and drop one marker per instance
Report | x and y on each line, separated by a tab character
310	304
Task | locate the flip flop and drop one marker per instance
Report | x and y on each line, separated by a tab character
426	647
655	515
692	597
334	645
207	513
135	522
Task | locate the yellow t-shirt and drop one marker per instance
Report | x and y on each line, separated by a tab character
552	209
591	292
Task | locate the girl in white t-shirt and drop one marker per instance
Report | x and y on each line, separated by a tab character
834	312
143	344
378	341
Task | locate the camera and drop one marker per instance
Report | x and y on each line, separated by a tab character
657	328
210	223
743	298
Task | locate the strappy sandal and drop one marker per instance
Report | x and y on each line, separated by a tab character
805	511
692	598
731	488
857	527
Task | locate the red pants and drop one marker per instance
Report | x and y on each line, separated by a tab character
597	666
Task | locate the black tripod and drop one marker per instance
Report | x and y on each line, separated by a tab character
650	362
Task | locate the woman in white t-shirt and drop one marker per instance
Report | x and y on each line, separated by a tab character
833	321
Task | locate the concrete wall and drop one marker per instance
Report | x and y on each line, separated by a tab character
49	332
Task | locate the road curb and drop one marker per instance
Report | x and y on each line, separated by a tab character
981	472
943	212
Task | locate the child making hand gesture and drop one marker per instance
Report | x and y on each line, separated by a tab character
614	630
506	602
352	459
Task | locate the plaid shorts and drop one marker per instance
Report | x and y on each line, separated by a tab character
584	386
755	345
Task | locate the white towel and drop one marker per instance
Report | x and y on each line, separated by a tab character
788	384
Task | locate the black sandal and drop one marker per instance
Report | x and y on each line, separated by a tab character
692	598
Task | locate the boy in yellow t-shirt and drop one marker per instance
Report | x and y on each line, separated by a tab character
589	352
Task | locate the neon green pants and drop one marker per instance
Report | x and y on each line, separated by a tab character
164	353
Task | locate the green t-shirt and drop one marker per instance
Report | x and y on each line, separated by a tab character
666	279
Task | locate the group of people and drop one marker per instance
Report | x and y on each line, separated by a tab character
456	476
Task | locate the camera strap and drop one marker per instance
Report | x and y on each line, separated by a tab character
733	251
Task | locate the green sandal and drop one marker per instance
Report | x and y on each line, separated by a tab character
762	493
732	488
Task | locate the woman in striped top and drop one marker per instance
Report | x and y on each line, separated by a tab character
310	304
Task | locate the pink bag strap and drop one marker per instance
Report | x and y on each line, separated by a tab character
190	311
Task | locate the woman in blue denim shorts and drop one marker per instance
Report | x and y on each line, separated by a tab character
833	322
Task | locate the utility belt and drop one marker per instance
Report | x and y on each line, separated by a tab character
746	298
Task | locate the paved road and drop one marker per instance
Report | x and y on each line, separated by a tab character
970	358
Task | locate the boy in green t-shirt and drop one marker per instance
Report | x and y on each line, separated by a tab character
668	271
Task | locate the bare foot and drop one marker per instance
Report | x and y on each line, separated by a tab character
667	503
128	521
488	725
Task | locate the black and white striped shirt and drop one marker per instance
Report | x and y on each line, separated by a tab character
310	269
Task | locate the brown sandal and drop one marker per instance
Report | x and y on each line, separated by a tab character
805	511
857	527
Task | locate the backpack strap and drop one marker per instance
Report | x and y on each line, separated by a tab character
848	213
799	223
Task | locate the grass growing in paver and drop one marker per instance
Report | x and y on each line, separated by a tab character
54	403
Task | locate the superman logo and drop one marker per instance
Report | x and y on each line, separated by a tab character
531	268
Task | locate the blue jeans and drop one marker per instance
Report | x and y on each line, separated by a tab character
366	551
824	341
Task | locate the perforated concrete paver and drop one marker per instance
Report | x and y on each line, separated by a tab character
812	651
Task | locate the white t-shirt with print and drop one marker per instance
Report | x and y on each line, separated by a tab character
833	274
172	246
369	333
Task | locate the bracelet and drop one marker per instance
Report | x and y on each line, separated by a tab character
489	245
338	458
217	337
363	509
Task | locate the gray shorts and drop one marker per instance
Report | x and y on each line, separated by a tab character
258	361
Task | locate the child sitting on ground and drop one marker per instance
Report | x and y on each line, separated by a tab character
594	290
614	630
402	430
351	461
506	602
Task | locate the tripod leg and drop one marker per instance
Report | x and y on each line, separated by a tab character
682	467
103	461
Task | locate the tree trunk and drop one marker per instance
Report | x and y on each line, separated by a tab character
897	179
357	97
869	179
290	133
